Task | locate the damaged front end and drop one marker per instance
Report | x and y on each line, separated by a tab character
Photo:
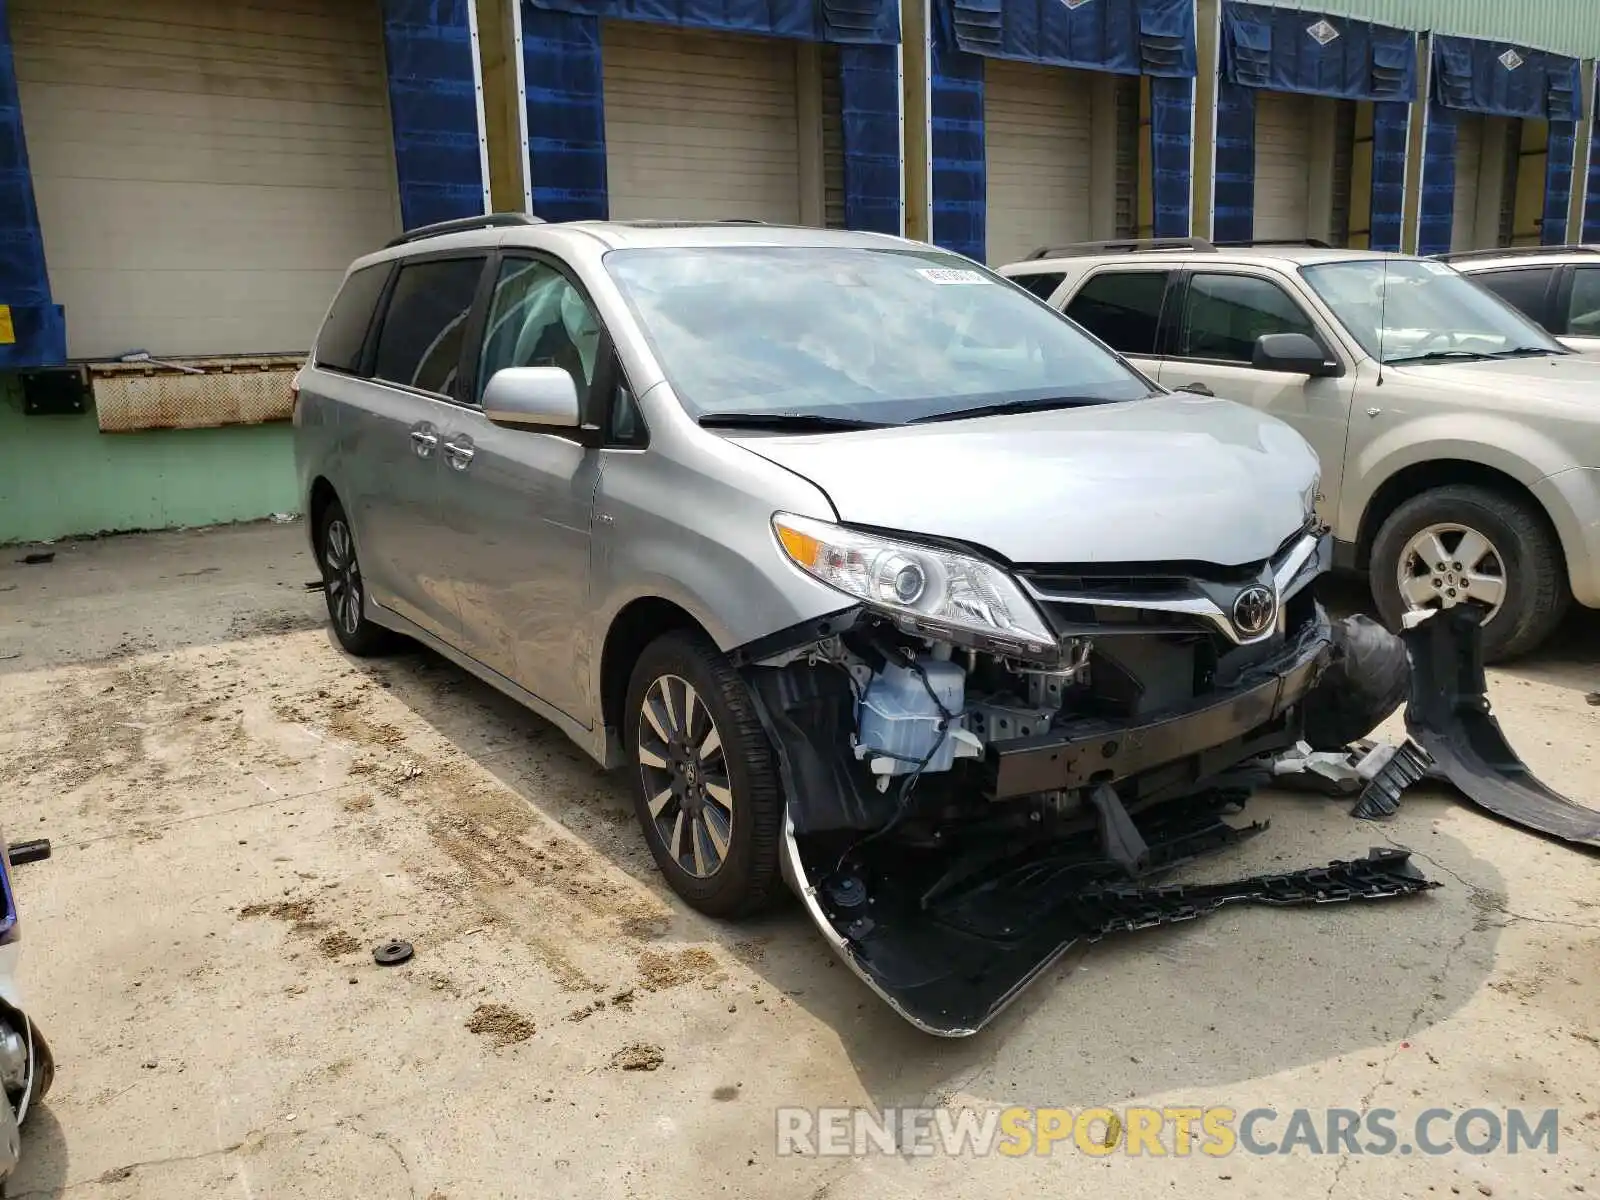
965	804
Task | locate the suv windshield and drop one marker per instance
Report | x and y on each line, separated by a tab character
1410	310
857	335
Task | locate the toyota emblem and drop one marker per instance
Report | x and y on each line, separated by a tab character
1255	610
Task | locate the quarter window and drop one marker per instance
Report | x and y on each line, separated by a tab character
344	333
1583	312
1122	309
1223	316
539	319
425	328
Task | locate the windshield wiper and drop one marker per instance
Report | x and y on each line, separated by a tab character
788	422
1526	352
1009	407
1441	356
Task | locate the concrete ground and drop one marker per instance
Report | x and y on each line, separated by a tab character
240	813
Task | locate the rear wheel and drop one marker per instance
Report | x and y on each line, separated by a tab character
343	587
1463	544
705	779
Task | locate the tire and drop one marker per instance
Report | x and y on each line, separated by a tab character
1369	679
44	1068
726	798
1534	593
342	587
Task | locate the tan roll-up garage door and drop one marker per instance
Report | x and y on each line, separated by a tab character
700	125
1283	165
1036	144
204	172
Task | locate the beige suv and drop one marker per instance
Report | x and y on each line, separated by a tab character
1459	442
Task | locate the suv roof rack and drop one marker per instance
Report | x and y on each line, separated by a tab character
464	225
1121	245
1514	252
686	222
1247	243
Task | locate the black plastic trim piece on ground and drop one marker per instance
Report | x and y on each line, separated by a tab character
1381	797
1449	716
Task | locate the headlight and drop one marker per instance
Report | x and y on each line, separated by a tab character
932	590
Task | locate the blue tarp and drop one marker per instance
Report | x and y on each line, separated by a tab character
872	22
1502	80
1126	37
567	125
37	322
434	103
1290	50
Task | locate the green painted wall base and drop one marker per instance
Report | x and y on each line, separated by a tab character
61	476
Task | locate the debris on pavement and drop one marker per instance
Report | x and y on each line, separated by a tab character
1403	766
501	1025
38	558
392	953
638	1056
34	850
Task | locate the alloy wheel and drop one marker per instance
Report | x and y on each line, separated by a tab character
685	774
1446	564
343	576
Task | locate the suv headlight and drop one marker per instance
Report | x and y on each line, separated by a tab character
934	591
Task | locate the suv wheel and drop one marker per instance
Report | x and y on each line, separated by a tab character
1467	545
342	586
705	780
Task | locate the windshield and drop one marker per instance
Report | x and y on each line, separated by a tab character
1407	309
857	334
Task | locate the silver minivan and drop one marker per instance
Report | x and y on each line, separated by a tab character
879	576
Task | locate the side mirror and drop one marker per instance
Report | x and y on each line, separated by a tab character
1292	354
532	397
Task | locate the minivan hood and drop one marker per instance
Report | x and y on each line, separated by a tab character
1171	478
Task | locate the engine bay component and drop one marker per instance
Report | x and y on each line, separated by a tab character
1449	716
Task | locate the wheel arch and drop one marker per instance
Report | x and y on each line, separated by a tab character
322	495
1419	477
637	624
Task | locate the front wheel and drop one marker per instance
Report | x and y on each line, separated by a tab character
705	779
1462	544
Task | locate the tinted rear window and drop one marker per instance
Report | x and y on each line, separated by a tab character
1122	309
420	345
1043	285
345	331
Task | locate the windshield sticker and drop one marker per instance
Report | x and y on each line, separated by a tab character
950	275
1438	268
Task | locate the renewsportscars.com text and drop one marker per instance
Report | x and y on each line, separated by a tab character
1170	1131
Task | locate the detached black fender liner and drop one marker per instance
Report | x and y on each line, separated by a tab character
1448	715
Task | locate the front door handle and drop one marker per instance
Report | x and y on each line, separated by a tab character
1198	389
424	438
458	452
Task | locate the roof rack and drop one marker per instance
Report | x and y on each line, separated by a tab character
1248	243
1121	245
686	222
1514	252
464	225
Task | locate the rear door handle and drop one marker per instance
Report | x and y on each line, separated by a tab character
1198	389
424	438
458	452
